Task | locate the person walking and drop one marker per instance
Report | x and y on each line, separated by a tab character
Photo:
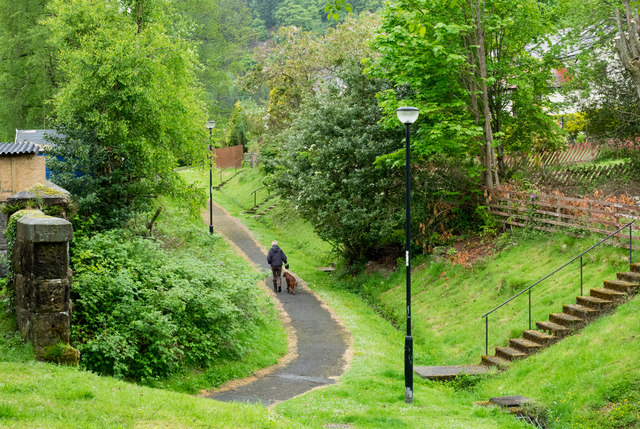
276	258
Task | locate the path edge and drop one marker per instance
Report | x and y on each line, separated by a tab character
292	352
283	317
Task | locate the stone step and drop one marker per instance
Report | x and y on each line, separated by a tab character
621	286
629	276
595	303
635	267
539	337
564	319
495	361
582	311
525	346
509	353
608	294
558	331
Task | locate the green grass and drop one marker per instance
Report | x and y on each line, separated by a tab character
588	380
37	395
440	290
236	197
200	175
42	395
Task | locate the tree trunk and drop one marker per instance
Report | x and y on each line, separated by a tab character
482	66
627	43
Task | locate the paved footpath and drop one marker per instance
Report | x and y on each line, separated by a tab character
320	344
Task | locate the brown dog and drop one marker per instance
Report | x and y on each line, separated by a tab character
291	283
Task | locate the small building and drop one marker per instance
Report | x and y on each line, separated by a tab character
40	138
20	168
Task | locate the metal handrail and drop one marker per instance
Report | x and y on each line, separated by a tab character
528	289
255	194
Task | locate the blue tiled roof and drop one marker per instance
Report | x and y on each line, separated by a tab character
18	149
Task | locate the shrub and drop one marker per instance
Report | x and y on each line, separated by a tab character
141	312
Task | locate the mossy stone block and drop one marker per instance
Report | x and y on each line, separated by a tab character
44	229
60	353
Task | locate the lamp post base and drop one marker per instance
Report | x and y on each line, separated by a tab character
210	229
408	369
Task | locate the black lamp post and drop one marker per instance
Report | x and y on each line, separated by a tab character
408	115
210	125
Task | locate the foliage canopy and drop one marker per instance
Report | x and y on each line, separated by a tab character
131	106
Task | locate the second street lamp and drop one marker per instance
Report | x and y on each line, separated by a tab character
408	115
210	125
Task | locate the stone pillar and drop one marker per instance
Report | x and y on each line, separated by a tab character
42	278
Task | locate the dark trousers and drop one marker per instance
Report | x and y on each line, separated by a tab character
277	277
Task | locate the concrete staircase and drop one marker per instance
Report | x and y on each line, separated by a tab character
573	317
224	182
259	209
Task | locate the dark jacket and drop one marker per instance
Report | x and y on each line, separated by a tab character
276	257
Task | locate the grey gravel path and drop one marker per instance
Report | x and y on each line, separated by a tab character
321	341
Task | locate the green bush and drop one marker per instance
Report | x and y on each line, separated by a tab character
144	313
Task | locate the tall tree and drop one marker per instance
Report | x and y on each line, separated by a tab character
224	33
467	64
603	55
327	164
626	40
27	67
130	103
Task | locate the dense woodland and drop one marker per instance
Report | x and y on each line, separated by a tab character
313	88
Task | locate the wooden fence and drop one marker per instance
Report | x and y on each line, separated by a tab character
555	212
228	157
574	154
583	174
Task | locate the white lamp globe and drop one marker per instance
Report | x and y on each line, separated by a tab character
407	115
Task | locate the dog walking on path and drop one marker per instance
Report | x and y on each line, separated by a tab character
291	283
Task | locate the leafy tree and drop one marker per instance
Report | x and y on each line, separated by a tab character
130	104
468	66
265	10
326	163
603	63
224	32
298	62
27	67
299	13
327	170
287	68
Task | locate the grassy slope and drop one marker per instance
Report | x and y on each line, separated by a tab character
586	381
42	395
371	394
267	344
46	396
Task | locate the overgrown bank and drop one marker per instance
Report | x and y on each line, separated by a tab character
584	381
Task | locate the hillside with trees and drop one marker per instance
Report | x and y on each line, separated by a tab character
504	88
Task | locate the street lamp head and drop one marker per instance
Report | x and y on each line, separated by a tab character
407	115
211	124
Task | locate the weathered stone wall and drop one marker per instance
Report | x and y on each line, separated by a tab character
48	195
42	278
3	241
